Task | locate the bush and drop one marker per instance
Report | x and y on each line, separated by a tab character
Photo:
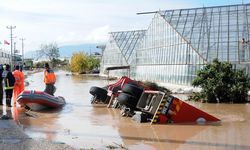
79	62
94	63
220	83
82	63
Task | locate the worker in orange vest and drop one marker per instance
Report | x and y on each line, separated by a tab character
18	84
49	80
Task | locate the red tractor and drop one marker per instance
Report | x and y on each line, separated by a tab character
155	103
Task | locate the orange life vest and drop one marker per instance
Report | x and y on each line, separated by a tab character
22	82
49	77
17	74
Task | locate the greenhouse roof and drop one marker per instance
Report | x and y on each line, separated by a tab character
127	41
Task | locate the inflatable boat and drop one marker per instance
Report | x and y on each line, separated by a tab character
38	100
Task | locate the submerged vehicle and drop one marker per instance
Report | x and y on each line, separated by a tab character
162	108
39	100
155	104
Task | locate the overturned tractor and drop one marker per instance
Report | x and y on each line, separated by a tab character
154	104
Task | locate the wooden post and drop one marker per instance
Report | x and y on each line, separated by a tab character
111	100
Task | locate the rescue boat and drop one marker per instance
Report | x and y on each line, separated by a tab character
39	100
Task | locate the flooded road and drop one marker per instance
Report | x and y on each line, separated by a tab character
83	125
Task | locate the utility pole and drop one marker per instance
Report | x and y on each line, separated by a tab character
14	54
22	39
11	42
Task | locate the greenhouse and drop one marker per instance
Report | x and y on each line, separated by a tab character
179	42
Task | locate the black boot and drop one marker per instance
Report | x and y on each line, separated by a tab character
1	94
8	102
1	98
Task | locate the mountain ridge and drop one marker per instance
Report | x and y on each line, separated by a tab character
67	51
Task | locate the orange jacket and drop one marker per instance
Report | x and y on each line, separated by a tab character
18	77
22	81
49	77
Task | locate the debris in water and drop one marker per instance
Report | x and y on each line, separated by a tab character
30	114
121	146
111	147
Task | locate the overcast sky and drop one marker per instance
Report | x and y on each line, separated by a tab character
82	21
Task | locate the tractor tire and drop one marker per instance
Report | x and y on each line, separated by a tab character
133	90
127	100
98	93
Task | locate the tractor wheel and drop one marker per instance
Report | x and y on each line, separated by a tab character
98	93
133	90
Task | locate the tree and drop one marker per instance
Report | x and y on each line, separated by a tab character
220	83
93	62
50	51
79	62
40	64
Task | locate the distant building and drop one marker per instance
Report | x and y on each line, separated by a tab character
96	55
28	63
17	59
4	57
179	42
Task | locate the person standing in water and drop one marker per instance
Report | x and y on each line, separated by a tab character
49	80
17	86
9	81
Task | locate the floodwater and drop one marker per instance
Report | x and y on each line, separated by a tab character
83	125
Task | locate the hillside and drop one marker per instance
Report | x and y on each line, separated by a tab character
68	50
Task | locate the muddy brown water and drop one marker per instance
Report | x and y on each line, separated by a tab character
83	125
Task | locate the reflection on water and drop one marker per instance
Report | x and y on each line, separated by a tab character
83	125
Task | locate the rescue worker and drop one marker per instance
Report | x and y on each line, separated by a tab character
9	81
49	80
1	85
18	84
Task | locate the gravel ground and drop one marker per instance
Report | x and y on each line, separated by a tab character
13	138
